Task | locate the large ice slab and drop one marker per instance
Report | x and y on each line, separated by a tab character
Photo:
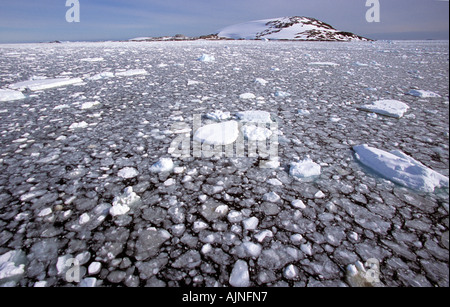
43	84
218	134
400	168
423	94
393	108
10	95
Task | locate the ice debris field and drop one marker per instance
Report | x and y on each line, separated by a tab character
92	178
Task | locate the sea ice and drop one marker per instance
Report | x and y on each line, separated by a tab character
254	116
247	96
423	94
122	203
218	115
128	172
255	133
400	168
218	134
323	64
393	108
282	94
10	95
206	58
79	125
89	105
43	84
240	277
132	72
163	165
12	267
100	76
304	169
261	81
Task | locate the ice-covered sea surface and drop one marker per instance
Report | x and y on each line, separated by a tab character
83	186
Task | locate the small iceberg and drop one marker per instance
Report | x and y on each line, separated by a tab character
400	168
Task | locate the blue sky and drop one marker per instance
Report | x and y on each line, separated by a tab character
44	20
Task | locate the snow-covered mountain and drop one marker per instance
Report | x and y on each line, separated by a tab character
288	28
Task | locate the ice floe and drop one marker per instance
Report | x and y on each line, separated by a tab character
218	115
254	116
392	108
240	276
261	81
10	95
423	94
100	76
247	96
323	64
206	58
132	72
400	168
122	204
12	268
43	84
304	169
255	133
162	166
218	134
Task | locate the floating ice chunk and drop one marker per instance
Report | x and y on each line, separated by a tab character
43	84
255	133
100	76
252	249
79	125
218	134
274	182
254	116
393	108
282	94
193	82
323	64
84	218
240	277
92	60
360	64
357	276
263	234
291	272
400	168
122	203
261	81
206	58
218	115
94	268
89	105
45	212
271	197
162	166
247	96
298	204
251	223
303	112
10	95
304	169
128	172
132	72
12	267
423	94
89	282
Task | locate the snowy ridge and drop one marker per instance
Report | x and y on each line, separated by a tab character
288	28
